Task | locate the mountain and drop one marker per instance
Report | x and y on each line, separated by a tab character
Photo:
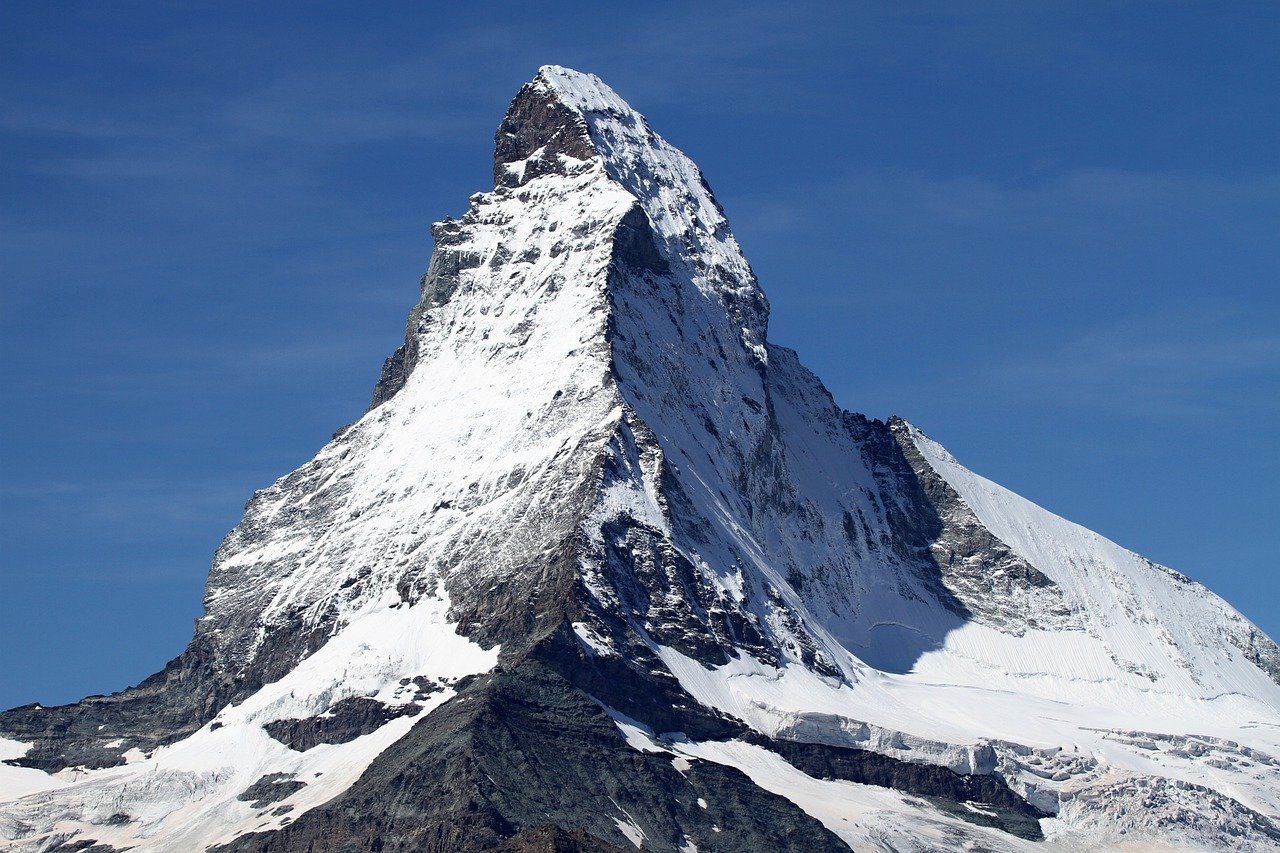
602	569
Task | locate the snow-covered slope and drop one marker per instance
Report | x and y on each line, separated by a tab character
191	795
602	562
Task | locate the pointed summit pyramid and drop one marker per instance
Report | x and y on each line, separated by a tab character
602	569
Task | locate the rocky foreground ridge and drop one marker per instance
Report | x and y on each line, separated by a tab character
603	569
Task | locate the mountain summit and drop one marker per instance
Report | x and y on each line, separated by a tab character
603	569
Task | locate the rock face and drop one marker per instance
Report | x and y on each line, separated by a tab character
603	569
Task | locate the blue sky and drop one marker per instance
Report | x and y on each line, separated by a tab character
1049	234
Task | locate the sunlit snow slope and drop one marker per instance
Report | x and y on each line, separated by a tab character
591	494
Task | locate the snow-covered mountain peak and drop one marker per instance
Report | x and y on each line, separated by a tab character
590	504
563	117
582	91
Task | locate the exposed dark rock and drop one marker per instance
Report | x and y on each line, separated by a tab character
981	574
1258	649
634	244
519	750
96	731
516	610
448	262
192	688
537	121
342	723
635	683
944	787
271	788
395	370
77	845
553	839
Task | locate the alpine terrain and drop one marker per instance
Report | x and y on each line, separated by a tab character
602	569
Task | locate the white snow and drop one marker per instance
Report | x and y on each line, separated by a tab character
184	797
1171	627
10	749
17	782
1055	712
510	396
627	826
863	816
637	735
